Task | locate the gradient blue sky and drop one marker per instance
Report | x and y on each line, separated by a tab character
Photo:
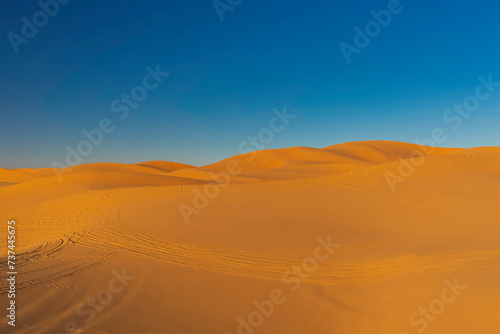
226	77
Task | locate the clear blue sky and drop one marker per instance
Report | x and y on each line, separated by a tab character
227	76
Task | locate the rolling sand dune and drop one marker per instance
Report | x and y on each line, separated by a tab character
107	248
16	176
164	166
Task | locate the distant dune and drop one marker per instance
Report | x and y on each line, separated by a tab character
205	247
288	163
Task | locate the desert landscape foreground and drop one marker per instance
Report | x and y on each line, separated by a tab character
363	237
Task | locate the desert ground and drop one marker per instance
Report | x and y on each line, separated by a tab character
372	237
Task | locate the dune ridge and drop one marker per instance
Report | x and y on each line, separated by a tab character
287	163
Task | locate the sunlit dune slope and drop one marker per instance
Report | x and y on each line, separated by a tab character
15	176
298	162
164	166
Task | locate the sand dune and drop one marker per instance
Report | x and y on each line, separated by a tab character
382	253
164	166
15	176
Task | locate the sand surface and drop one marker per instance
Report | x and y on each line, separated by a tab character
363	237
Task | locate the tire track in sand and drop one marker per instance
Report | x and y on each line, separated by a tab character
228	260
40	266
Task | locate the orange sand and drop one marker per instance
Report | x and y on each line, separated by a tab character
196	263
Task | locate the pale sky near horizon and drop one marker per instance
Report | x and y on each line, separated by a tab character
397	82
